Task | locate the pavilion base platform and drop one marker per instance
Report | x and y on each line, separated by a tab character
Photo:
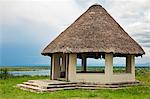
55	85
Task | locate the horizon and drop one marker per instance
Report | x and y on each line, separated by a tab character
147	66
29	26
78	65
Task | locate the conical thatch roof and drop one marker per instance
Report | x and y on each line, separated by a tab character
94	31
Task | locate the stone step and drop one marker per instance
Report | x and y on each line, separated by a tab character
124	83
37	89
31	84
26	85
64	83
53	85
31	81
98	86
52	82
57	89
127	85
61	86
107	85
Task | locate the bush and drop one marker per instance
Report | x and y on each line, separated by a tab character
4	73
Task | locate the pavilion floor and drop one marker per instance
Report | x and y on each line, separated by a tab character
55	85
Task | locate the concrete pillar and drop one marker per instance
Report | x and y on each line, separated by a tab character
55	67
63	67
51	67
67	64
108	65
133	65
128	64
84	62
72	67
63	63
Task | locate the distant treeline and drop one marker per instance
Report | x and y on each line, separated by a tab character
36	68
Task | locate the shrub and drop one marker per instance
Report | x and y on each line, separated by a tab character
4	73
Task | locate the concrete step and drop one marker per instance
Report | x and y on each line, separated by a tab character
62	86
53	85
124	83
37	89
31	84
65	87
31	81
127	85
57	89
64	83
51	82
98	86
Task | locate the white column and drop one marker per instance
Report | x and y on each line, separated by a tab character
51	67
67	63
133	65
84	62
63	67
63	63
55	67
72	67
108	66
128	64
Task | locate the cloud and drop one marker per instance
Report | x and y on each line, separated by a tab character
46	11
27	23
36	14
133	16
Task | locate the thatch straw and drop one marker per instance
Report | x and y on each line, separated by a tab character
94	31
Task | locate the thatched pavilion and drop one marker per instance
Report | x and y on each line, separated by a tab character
95	34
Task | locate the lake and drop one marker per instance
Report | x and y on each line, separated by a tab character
39	72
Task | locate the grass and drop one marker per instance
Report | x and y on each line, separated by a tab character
25	68
9	91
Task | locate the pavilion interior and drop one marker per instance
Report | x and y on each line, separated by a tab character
64	67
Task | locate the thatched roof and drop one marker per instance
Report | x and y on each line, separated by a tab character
94	31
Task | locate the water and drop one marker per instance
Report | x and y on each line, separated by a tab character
32	73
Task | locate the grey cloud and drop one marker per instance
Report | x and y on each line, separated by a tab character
132	15
87	3
142	35
144	41
147	45
82	3
50	21
143	38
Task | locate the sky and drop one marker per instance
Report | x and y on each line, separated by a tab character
27	26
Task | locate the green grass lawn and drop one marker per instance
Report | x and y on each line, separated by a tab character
9	91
